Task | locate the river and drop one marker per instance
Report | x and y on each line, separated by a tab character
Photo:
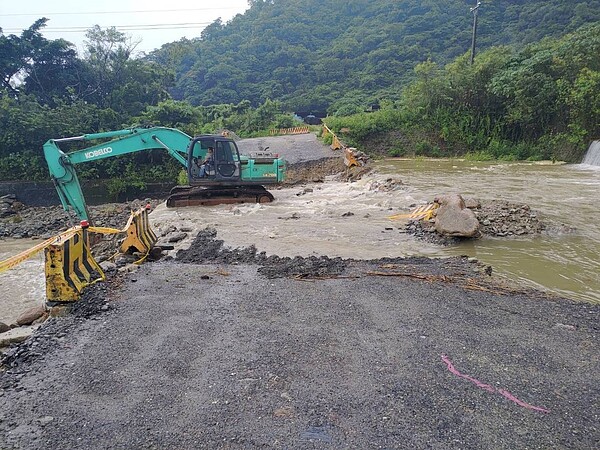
23	286
351	220
567	264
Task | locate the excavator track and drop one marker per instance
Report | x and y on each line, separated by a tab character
217	195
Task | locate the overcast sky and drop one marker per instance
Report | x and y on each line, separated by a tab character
154	22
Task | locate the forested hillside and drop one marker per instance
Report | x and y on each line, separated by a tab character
343	55
541	101
537	95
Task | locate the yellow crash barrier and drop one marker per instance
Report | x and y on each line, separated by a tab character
70	266
424	212
139	234
335	143
350	158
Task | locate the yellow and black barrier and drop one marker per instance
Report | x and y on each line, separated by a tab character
139	234
69	264
350	158
70	267
336	144
140	237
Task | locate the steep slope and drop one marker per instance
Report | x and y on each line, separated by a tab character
319	54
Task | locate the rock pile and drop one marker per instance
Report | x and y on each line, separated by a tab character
313	171
389	185
501	218
9	206
497	218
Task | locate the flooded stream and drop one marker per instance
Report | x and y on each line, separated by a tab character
352	220
23	286
567	263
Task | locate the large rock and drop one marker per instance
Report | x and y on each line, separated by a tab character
454	218
31	315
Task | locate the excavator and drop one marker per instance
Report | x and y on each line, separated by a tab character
227	178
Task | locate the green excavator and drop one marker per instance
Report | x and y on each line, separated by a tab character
223	177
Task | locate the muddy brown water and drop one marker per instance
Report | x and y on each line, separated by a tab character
565	263
352	220
23	286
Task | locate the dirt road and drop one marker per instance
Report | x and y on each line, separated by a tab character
219	356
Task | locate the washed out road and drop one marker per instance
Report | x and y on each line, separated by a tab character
219	356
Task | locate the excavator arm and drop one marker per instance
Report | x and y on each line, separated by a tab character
61	165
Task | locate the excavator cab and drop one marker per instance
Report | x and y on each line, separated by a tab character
228	178
224	164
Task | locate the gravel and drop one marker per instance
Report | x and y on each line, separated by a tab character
293	148
45	222
218	356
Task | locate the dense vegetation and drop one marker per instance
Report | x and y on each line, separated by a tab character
539	102
527	98
341	56
47	91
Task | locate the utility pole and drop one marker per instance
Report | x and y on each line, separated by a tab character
474	11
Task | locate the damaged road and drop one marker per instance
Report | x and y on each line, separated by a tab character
240	350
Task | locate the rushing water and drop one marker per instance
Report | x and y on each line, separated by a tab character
592	156
23	286
352	220
567	264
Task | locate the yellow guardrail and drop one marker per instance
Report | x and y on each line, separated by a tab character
336	144
69	264
424	212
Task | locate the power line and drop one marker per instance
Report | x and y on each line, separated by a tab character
113	12
145	27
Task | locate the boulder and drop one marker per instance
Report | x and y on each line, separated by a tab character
454	219
17	335
31	315
4	328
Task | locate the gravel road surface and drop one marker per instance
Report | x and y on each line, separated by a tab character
293	148
194	356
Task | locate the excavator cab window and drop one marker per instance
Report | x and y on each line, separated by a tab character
226	159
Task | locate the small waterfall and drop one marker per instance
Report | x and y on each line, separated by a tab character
592	157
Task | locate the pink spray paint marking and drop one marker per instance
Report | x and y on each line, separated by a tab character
489	388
